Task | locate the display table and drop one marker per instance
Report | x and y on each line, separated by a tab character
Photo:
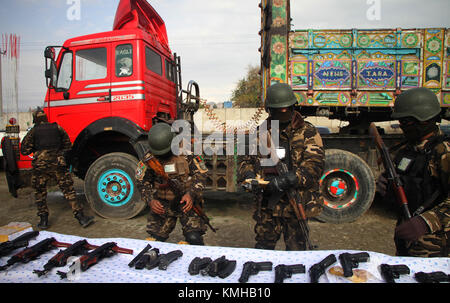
116	270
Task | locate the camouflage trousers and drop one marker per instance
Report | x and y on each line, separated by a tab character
41	178
160	226
268	230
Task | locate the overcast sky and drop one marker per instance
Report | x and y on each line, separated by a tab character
216	39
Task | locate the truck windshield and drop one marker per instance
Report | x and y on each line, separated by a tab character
65	72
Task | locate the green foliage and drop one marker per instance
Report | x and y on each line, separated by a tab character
248	90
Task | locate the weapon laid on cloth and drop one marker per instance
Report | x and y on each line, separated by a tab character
283	271
253	268
19	242
198	264
139	256
157	167
350	261
390	169
318	269
105	251
80	247
148	260
432	277
392	272
33	252
220	267
166	259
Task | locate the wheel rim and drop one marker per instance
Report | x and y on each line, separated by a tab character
115	187
340	188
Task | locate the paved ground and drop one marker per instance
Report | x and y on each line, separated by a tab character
229	212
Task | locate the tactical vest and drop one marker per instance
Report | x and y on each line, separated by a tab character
420	185
47	137
176	168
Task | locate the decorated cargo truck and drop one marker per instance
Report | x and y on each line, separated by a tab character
106	90
353	75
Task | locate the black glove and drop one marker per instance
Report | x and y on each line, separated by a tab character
283	182
412	229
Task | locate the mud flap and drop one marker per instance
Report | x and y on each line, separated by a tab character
10	164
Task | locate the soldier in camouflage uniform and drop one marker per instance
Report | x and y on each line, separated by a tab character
305	160
49	143
165	205
423	164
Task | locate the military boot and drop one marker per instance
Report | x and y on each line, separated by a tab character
43	223
84	220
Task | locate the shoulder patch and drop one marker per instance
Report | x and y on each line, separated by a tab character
200	164
140	170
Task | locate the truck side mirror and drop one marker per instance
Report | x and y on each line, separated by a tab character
51	73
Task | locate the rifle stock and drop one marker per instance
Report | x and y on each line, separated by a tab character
390	169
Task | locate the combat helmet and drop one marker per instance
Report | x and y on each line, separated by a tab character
280	95
160	138
39	115
420	103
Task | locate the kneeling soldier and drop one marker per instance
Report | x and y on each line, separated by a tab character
174	195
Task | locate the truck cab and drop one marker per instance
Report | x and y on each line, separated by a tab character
107	90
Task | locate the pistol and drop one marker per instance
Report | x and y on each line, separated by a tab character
318	269
253	268
392	272
283	271
198	264
432	277
350	261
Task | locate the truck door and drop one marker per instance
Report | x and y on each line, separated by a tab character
127	86
83	89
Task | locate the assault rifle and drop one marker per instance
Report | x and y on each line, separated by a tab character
392	272
253	268
19	242
283	271
432	277
350	261
80	247
105	251
318	269
158	169
393	177
33	252
256	185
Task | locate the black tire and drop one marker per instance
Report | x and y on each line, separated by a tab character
110	187
347	185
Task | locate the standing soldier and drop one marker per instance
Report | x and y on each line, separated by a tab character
184	183
49	143
423	164
304	157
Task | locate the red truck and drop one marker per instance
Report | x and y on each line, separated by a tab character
106	90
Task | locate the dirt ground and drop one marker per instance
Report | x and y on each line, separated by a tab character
231	213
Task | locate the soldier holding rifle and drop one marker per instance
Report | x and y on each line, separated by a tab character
292	191
423	165
172	186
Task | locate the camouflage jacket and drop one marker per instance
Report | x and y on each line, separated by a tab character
436	216
307	158
45	158
188	171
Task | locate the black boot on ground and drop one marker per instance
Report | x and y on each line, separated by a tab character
84	220
43	224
